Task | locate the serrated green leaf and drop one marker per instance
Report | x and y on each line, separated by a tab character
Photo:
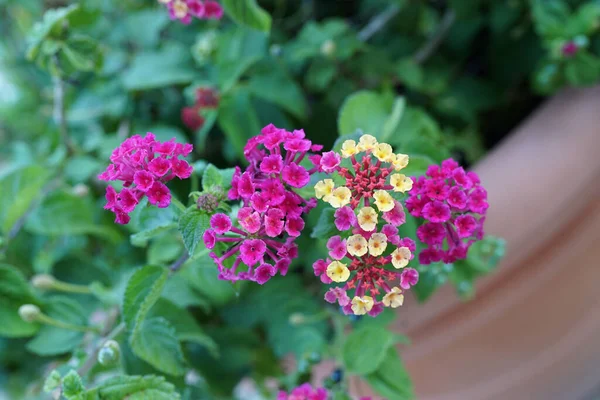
364	349
211	177
155	341
147	387
192	225
51	340
19	189
249	13
143	290
72	386
391	380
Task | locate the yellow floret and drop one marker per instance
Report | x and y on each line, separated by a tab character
338	272
377	244
401	182
383	200
367	218
340	197
384	152
400	257
394	298
362	305
367	142
349	148
357	245
324	189
400	161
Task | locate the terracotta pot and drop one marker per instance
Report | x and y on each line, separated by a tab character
533	329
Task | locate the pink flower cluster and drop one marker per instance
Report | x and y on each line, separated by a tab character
271	215
144	165
304	392
184	10
454	204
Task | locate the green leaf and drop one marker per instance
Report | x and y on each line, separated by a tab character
184	323
143	290
150	70
583	69
391	380
52	23
19	190
549	17
203	277
192	225
390	125
82	54
484	255
211	177
155	341
370	112
50	340
14	292
239	49
52	381
364	349
325	227
237	119
81	168
274	85
64	213
249	13
147	387
72	386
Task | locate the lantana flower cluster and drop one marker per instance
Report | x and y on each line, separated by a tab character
185	10
144	165
368	217
454	204
270	218
206	98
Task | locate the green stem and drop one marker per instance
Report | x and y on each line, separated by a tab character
178	204
71	287
44	319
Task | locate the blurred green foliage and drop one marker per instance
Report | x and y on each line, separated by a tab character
433	78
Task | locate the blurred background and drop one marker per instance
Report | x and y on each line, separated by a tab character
489	83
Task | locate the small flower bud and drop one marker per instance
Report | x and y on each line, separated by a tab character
297	319
328	47
43	281
109	354
218	192
29	312
208	202
81	190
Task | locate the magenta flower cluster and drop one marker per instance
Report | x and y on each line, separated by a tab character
454	204
144	165
304	392
185	10
270	218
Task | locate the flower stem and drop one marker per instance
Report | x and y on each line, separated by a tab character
71	288
178	204
378	22
45	319
437	38
59	112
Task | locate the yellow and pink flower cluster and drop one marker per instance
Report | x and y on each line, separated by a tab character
368	257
